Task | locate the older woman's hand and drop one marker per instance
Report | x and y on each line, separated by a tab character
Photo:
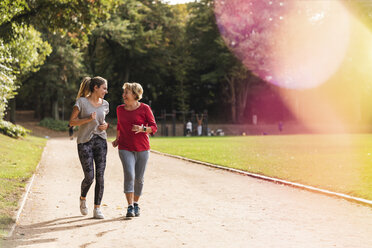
115	143
137	128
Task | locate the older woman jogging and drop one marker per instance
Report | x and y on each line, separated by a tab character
135	123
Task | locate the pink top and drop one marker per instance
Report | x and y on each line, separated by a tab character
128	140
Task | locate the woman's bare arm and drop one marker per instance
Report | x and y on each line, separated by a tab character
75	121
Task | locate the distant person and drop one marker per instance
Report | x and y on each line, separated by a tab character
212	133
188	128
89	113
200	124
70	131
135	122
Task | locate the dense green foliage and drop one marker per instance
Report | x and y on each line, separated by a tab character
134	45
339	163
18	160
21	55
12	130
175	52
51	85
54	124
24	30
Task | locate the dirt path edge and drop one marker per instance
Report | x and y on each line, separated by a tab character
274	180
23	199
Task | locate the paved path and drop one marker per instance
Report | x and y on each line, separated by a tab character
184	205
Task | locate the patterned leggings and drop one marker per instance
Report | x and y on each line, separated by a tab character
95	149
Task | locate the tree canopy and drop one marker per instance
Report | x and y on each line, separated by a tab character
176	52
25	24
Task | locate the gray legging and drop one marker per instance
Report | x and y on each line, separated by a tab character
134	166
93	150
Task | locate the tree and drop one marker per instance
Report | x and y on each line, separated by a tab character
25	51
70	18
7	85
138	43
214	62
249	29
176	58
56	82
21	21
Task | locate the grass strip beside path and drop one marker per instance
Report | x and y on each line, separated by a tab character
18	160
340	163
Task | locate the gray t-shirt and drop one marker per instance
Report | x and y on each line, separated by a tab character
87	130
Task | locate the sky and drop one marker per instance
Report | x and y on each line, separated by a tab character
177	1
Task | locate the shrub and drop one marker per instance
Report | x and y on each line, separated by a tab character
54	124
12	130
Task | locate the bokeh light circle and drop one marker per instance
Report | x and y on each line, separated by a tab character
290	43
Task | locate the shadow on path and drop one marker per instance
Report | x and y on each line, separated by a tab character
29	234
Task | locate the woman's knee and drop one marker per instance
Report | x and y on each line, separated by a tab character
128	180
100	179
139	180
88	179
128	187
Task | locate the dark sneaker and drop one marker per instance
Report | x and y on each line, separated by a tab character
130	211
136	210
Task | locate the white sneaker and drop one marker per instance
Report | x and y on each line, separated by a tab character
97	214
83	207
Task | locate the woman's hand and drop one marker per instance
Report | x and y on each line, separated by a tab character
103	126
93	116
137	128
115	143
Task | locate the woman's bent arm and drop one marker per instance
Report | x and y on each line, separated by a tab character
75	121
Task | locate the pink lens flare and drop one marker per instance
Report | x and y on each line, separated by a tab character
293	44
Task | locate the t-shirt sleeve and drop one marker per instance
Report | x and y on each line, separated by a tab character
151	120
107	109
78	104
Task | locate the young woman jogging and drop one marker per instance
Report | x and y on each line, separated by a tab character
89	114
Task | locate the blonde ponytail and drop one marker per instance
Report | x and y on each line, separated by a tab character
84	90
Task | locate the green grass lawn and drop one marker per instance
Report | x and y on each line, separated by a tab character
341	163
18	160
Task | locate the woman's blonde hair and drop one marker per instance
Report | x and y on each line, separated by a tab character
84	89
87	85
136	89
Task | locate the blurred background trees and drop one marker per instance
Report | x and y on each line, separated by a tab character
175	51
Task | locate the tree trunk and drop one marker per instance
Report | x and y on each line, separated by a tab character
91	50
12	109
37	108
182	97
231	82
126	73
242	99
55	113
